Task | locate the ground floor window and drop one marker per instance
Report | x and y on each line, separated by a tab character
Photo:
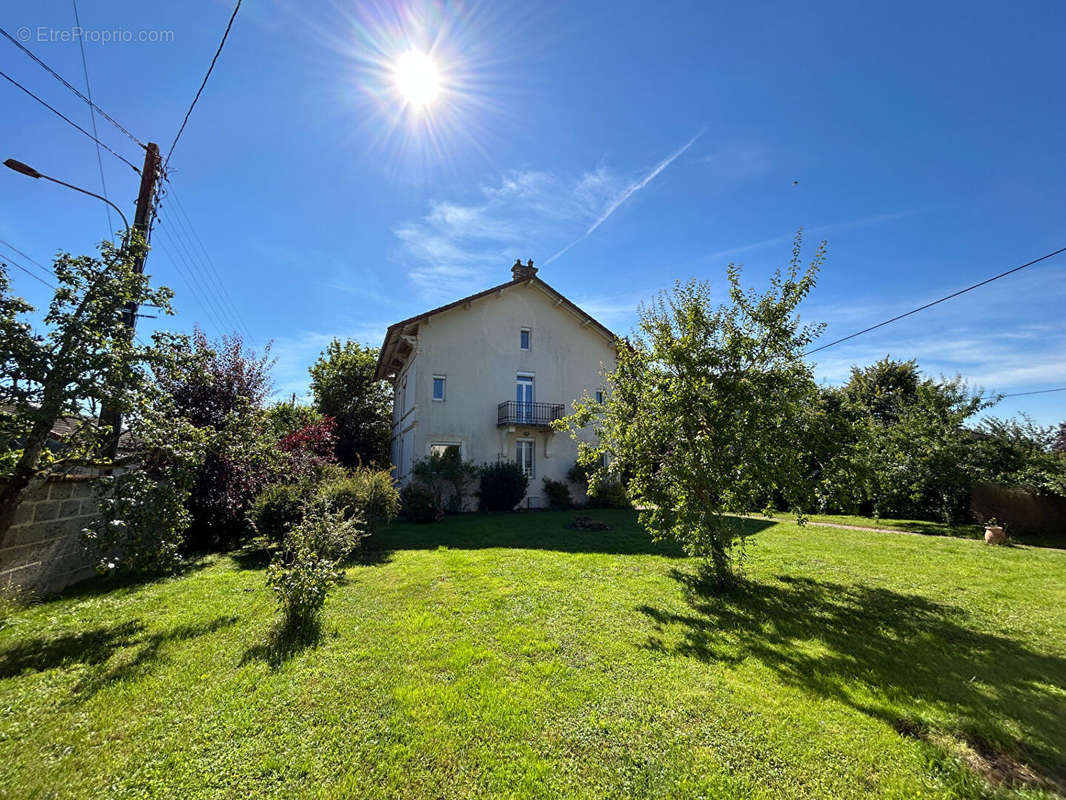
524	452
446	448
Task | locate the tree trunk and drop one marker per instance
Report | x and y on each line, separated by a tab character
25	469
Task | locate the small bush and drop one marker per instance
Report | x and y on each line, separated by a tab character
503	485
418	503
558	494
141	524
609	493
448	477
367	492
307	565
279	507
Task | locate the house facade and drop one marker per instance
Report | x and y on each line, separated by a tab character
489	373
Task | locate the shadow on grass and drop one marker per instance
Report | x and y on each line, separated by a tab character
896	657
286	640
539	530
115	652
105	584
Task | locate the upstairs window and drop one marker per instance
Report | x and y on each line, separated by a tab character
438	387
525	339
599	395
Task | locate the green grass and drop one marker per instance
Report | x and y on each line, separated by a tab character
961	531
506	655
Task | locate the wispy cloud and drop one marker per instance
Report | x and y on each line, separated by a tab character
989	344
818	230
628	192
450	249
296	353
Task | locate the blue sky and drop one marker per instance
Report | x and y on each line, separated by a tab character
621	146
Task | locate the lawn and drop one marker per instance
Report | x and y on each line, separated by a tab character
926	527
506	655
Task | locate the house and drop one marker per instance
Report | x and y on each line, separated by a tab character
489	373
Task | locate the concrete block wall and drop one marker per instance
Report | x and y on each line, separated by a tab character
42	552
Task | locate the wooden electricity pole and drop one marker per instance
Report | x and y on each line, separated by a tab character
151	172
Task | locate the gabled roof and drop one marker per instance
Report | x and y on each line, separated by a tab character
394	335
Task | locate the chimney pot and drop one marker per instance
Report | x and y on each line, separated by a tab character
523	272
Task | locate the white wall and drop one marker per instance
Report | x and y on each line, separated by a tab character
477	349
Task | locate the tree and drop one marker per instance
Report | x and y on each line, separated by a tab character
224	391
919	458
706	411
1059	445
344	387
85	360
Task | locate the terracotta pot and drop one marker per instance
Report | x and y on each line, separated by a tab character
994	535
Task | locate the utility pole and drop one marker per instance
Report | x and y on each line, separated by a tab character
151	172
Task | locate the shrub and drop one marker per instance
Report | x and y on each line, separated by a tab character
141	524
447	476
558	494
307	566
503	485
310	448
609	493
279	507
367	492
418	503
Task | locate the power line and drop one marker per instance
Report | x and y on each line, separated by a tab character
16	265
92	118
218	52
69	121
211	268
29	258
195	264
62	80
1040	391
191	280
936	302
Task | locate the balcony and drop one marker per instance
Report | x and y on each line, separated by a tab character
533	415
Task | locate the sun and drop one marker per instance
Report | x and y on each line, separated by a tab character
417	79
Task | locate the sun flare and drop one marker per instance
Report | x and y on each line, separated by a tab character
417	79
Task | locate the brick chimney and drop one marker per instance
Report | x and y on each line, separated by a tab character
523	272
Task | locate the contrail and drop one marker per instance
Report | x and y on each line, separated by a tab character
630	190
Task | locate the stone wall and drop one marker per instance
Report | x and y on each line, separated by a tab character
42	552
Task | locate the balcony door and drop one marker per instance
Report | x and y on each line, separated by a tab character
524	398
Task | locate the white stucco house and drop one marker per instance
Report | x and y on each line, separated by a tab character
488	374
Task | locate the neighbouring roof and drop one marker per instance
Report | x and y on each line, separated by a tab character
394	348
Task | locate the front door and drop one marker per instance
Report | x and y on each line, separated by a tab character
524	398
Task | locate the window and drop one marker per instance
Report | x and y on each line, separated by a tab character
446	448
403	395
599	395
524	395
524	449
525	339
438	387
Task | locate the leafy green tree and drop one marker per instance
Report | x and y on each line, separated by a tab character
917	453
706	411
288	418
344	387
84	359
1021	454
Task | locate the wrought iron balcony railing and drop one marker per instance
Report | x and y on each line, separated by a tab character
535	415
